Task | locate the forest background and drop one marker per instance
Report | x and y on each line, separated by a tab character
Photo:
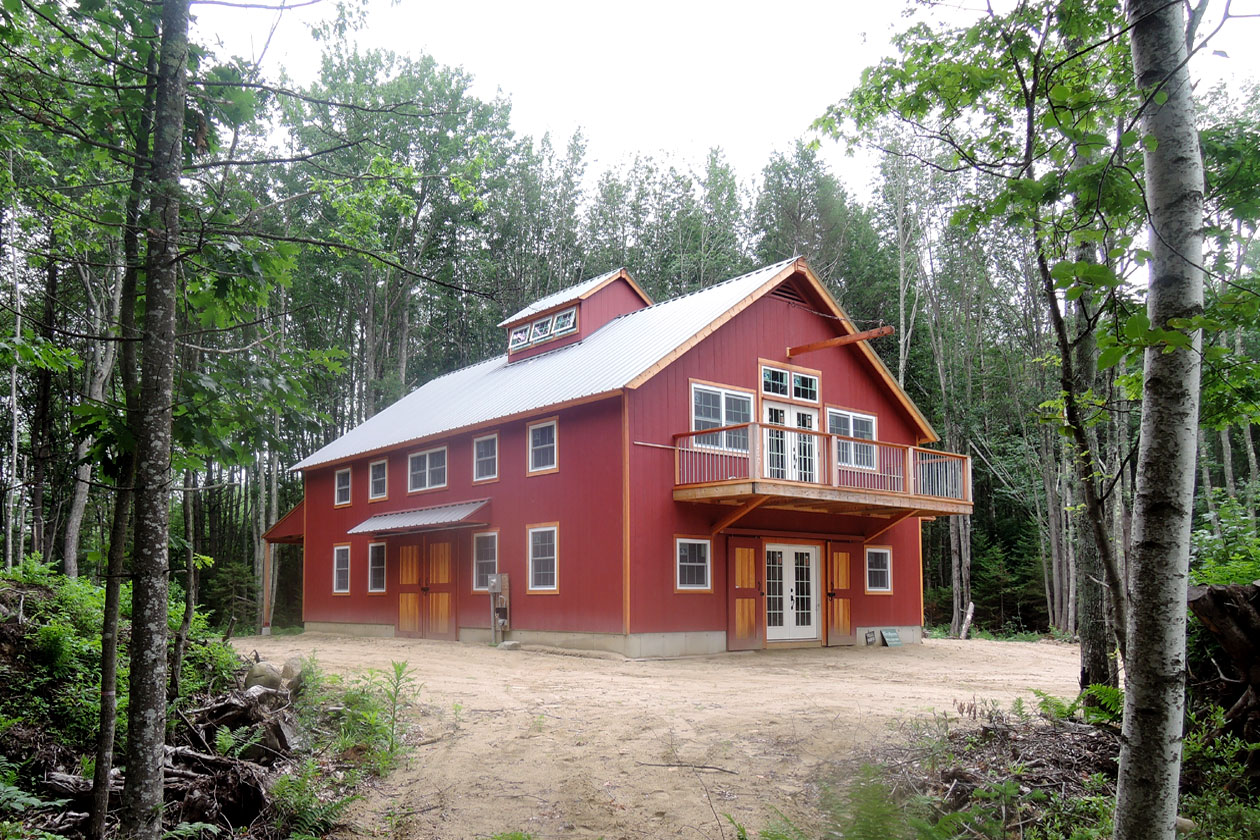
347	240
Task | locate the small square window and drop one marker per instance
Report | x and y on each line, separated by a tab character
485	559
566	322
774	381
541	330
376	567
519	338
341	491
805	387
542	558
486	458
426	470
542	447
692	564
878	570
378	485
341	568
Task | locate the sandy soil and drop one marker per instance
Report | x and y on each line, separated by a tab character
559	745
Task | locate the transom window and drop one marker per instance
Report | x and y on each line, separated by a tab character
485	458
853	425
341	488
485	559
376	567
878	570
692	563
341	568
426	470
805	387
542	558
542	446
774	381
378	475
712	408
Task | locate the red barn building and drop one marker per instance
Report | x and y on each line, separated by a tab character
729	469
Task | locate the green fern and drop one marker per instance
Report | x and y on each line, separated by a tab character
1055	708
234	742
1107	706
303	811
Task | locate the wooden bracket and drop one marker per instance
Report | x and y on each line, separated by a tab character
839	341
738	514
896	521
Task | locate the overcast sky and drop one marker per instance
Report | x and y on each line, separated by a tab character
654	77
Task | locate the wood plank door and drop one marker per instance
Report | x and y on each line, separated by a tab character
409	594
439	589
744	629
839	595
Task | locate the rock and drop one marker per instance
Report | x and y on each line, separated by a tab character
1185	826
264	674
293	667
509	645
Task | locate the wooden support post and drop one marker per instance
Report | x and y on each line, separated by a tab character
839	341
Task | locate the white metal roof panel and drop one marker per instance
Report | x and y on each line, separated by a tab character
603	362
561	297
429	517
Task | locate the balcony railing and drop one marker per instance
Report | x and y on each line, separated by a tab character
760	451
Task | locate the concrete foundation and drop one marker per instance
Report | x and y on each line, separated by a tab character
912	635
635	646
383	631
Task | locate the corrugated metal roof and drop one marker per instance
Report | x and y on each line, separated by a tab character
420	518
603	362
561	297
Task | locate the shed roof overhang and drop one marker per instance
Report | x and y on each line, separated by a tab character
438	517
289	528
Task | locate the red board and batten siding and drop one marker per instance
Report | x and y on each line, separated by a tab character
661	407
584	496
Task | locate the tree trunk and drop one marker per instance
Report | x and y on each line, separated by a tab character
12	527
41	418
142	795
1205	486
1150	749
190	588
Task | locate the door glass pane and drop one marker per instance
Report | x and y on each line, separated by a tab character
803	595
774	588
804	448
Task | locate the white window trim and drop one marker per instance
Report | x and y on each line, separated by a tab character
566	330
887	552
337	486
708	565
385	494
476	440
494	535
554	466
533	328
529	549
873	441
723	393
446	472
787	382
513	343
337	551
384	582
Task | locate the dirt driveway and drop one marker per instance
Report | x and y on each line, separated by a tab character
569	746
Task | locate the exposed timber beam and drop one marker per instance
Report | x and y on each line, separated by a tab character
897	521
738	514
839	341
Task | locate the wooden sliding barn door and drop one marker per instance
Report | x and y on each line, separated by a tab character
839	594
426	588
744	629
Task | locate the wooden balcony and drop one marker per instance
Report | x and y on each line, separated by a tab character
757	464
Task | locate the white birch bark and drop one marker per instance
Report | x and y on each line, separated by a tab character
1150	753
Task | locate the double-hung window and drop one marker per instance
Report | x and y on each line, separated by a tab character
713	408
486	458
485	559
849	424
879	570
692	564
542	447
341	569
543	559
376	567
378	480
426	470
341	487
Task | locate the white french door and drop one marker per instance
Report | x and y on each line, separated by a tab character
792	592
790	455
